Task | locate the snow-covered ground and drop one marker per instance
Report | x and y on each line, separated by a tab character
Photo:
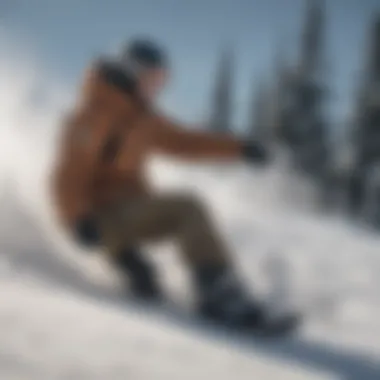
61	315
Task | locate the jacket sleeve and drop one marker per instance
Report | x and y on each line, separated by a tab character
173	139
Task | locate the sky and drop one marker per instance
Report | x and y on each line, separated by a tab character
67	34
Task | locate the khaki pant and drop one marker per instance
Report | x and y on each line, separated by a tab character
155	218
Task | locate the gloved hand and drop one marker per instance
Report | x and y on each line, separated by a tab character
254	152
87	232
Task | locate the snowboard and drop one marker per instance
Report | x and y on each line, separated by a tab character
277	327
282	326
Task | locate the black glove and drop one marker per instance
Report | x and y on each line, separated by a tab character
255	152
87	232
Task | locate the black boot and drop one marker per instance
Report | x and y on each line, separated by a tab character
224	300
142	276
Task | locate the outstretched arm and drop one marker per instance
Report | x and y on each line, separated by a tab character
171	138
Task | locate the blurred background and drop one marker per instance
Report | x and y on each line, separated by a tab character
301	76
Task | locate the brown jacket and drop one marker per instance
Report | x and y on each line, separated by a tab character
107	139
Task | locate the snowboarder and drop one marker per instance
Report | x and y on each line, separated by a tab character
102	196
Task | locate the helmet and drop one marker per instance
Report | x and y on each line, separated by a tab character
144	54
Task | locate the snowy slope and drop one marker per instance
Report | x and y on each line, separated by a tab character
56	323
47	334
61	315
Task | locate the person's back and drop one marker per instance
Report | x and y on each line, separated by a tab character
88	171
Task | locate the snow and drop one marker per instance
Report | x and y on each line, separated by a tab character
79	339
61	314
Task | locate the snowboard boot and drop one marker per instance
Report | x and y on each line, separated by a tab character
224	301
143	282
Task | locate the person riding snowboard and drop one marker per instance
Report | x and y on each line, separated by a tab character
102	196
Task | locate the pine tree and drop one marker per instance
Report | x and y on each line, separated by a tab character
280	87
368	120
366	131
222	107
258	114
306	127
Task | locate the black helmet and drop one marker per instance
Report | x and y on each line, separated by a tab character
144	53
